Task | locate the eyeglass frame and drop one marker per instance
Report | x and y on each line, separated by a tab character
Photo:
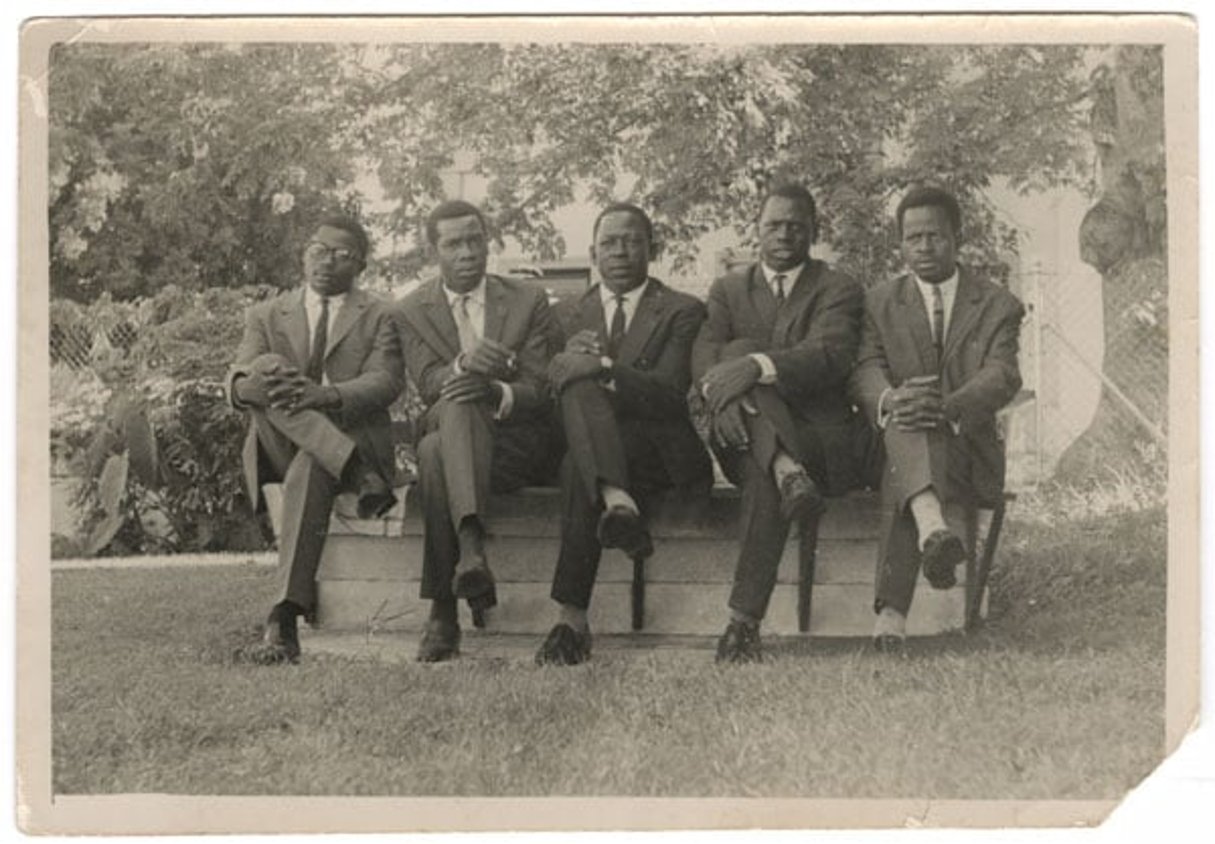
321	250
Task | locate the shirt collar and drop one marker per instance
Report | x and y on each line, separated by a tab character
790	275
477	294
312	299
631	298
948	287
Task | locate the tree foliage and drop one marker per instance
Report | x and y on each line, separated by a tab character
202	165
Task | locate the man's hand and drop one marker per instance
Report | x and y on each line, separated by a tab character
470	387
490	359
284	385
568	367
585	342
916	405
728	381
729	428
313	396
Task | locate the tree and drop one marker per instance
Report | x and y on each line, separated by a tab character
1124	237
203	165
192	165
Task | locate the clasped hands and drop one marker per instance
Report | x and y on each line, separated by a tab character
285	388
916	404
480	370
582	358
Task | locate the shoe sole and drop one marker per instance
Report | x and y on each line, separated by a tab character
939	570
627	533
475	584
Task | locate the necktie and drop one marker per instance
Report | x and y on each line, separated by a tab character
779	282
616	331
320	338
938	320
464	325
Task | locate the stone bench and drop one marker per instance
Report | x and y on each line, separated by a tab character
370	572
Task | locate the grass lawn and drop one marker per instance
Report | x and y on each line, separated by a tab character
1061	695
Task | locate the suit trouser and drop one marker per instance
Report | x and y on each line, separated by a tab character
603	448
917	461
308	452
763	530
465	456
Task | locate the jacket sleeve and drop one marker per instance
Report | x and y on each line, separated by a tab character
998	379
871	377
824	357
715	331
530	384
254	342
426	367
661	392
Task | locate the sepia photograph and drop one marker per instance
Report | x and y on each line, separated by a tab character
686	422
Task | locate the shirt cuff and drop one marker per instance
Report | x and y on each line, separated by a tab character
882	416
767	369
508	401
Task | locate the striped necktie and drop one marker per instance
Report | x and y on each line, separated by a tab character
938	321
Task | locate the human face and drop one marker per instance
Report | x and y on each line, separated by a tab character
929	243
462	250
621	251
332	260
785	233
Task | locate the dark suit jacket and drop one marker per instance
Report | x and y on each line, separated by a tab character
652	371
978	369
362	362
516	315
812	342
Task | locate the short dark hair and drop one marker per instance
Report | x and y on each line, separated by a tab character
452	209
928	196
351	226
625	208
795	193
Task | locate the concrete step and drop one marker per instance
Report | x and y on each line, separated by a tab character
370	571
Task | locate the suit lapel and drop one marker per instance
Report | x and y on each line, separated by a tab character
965	311
496	308
646	318
916	318
762	300
294	320
444	335
796	300
352	308
591	316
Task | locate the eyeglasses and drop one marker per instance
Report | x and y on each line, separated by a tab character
318	251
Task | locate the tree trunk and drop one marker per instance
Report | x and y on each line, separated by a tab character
1124	237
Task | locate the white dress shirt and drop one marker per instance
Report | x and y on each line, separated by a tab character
475	307
608	297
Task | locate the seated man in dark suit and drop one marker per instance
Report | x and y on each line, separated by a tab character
938	358
772	360
317	369
622	386
477	347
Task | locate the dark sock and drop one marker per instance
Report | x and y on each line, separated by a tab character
443	609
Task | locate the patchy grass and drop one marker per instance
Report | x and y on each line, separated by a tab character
1061	695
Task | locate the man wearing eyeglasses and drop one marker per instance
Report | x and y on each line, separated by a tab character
477	347
316	370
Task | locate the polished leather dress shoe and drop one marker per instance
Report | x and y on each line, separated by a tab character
620	527
740	643
942	552
800	497
375	496
440	641
890	631
564	646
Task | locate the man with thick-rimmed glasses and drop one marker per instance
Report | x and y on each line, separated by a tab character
317	369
